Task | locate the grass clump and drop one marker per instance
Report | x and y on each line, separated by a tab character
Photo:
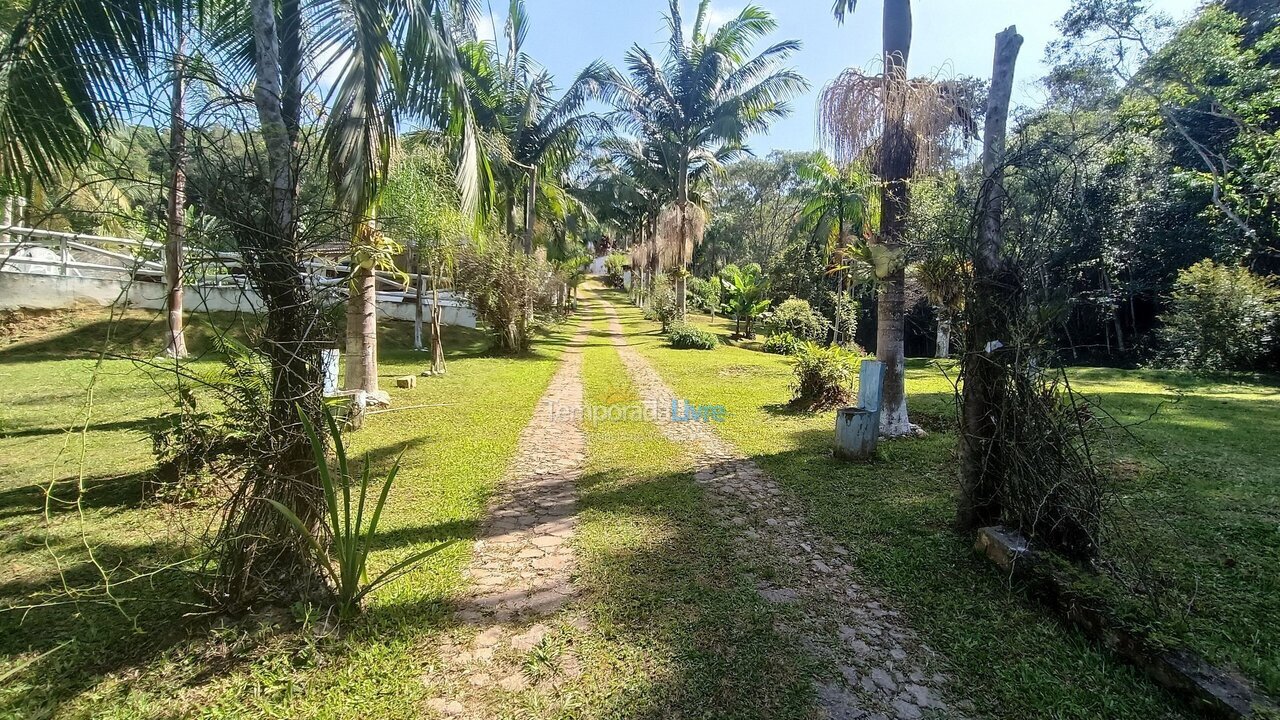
824	377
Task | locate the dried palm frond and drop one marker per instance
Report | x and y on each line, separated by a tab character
680	229
854	109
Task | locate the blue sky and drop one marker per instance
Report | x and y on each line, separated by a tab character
951	37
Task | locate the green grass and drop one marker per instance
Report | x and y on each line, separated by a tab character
1215	497
143	658
677	629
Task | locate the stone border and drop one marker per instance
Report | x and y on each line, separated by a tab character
1186	674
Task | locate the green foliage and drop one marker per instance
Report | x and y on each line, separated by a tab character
795	317
614	270
744	300
823	377
704	294
345	561
502	284
684	336
662	304
420	206
193	440
783	343
1223	317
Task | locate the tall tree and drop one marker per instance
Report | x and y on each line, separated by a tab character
394	60
699	105
895	162
175	225
514	101
995	294
904	125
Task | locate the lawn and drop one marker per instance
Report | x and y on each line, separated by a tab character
1198	490
147	649
675	627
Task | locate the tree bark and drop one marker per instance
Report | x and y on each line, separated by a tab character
437	341
897	160
682	200
530	208
418	282
262	556
362	331
175	230
985	363
944	337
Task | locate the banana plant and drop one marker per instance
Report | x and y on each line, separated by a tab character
743	297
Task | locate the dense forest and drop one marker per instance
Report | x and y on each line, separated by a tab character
1154	151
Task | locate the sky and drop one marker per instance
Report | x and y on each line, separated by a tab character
951	37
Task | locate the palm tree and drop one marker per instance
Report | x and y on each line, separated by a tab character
744	290
945	279
904	125
391	60
699	106
514	100
894	163
837	201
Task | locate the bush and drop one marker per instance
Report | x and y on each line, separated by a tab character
795	317
502	283
704	295
783	343
193	442
824	377
1223	317
684	336
615	267
662	305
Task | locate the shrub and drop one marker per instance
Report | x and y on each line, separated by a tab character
1222	317
704	295
795	317
193	441
502	283
684	336
824	377
783	343
615	267
743	295
662	305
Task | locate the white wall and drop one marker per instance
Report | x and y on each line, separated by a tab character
53	292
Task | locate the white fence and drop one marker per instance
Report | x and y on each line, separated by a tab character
48	269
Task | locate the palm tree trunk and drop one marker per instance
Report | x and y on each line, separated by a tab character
944	336
835	326
262	556
362	331
682	200
530	205
176	227
896	163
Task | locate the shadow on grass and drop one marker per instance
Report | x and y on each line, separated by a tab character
662	585
143	425
111	491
